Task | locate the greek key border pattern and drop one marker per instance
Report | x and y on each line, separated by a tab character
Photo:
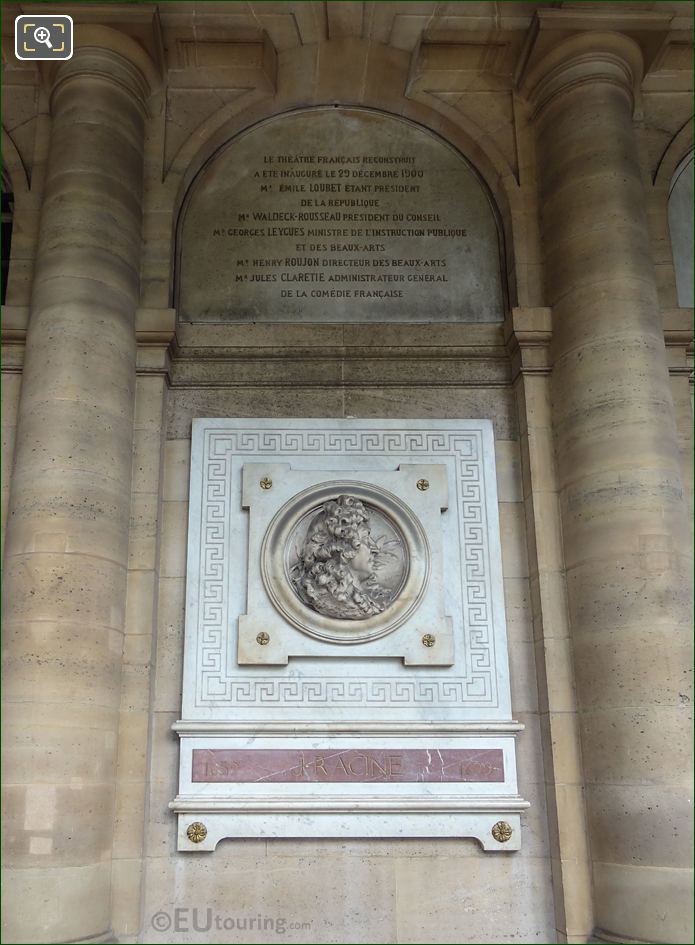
215	684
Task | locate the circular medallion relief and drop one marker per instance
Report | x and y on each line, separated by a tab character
346	562
346	559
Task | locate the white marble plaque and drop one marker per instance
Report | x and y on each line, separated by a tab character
345	651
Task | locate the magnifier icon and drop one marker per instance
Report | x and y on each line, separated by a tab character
43	35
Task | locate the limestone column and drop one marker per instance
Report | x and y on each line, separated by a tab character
623	515
67	537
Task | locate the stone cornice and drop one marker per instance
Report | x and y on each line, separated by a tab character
649	29
612	58
106	53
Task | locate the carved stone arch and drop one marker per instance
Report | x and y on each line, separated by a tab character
233	119
14	173
7	221
677	149
15	184
677	206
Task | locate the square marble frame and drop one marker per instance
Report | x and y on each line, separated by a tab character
288	627
216	688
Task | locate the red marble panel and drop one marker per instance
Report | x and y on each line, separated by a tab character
258	765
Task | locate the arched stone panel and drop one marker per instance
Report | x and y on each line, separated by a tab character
374	77
339	214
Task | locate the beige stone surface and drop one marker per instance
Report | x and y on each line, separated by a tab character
593	445
248	402
658	754
524	688
135	723
139	603
177	465
167	685
174	532
242	883
555	659
641	825
11	384
660	658
395	896
517	607
575	894
142	543
645	900
508	463
93	680
437	896
512	528
624	544
559	748
126	880
530	762
80	753
62	824
681	391
64	904
493	404
64	593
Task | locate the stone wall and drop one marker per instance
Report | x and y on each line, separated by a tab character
178	86
379	890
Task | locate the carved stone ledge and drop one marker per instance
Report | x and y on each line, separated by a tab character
678	338
155	325
155	331
527	335
15	319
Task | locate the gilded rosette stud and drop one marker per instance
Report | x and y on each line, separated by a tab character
196	832
502	831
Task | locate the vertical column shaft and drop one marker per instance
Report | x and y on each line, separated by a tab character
67	539
625	544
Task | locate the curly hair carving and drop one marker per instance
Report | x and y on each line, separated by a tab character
325	579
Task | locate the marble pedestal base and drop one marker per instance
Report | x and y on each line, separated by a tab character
354	823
